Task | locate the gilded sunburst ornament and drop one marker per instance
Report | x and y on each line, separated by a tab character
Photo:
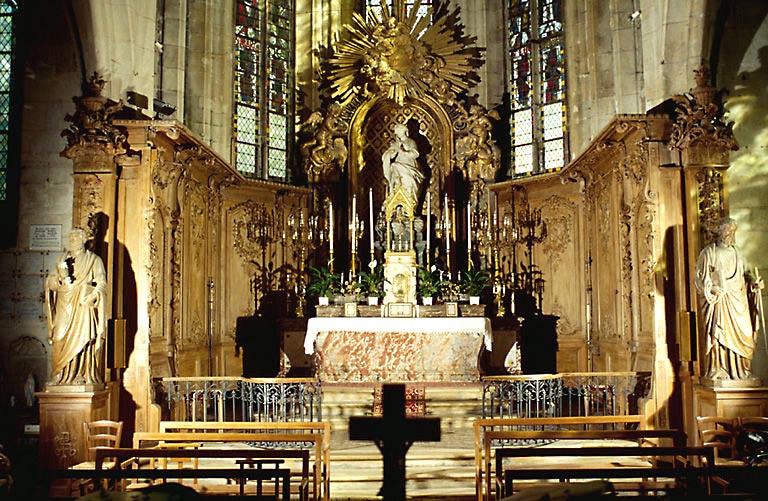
401	55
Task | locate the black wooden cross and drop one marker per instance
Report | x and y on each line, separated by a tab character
393	434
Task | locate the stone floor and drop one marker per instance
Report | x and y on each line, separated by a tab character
434	470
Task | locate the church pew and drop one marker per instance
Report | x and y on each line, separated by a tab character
314	435
553	428
128	463
321	428
673	464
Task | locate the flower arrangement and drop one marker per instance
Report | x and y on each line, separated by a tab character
449	291
351	288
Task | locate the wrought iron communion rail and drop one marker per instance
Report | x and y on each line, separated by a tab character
565	394
241	399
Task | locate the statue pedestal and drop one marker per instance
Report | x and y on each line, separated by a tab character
63	410
730	402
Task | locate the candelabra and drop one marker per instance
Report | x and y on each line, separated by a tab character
306	233
254	233
444	229
495	234
531	230
355	232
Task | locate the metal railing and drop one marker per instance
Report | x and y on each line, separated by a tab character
240	399
565	394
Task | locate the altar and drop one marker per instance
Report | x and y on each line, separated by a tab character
397	349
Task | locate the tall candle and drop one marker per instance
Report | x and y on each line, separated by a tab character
429	212
354	226
370	214
447	227
495	209
469	234
330	226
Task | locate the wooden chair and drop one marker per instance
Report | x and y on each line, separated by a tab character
719	433
98	434
102	433
760	422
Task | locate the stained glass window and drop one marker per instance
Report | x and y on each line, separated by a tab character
264	76
7	41
537	86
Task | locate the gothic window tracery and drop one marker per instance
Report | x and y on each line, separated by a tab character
264	49
537	86
8	10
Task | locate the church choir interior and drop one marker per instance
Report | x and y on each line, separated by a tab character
383	249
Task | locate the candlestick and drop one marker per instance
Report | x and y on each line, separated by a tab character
469	235
429	228
330	226
370	215
447	229
354	226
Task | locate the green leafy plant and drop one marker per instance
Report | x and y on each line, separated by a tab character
322	282
474	282
428	282
372	282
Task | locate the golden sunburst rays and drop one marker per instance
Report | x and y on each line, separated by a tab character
404	54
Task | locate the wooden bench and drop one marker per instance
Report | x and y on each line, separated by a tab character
314	436
554	428
129	461
644	462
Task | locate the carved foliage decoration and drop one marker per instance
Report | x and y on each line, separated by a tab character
194	279
89	198
643	202
710	198
250	238
162	219
700	118
90	125
560	215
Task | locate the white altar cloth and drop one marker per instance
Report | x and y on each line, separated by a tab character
315	325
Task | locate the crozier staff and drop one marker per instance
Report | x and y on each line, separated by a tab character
75	295
723	285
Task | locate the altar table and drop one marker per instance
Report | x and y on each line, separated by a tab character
359	349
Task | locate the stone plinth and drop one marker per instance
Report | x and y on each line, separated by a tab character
730	402
62	414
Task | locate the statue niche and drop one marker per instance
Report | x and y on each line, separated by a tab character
400	256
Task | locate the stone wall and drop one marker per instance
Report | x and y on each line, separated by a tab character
742	55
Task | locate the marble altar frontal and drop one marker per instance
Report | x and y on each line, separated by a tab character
397	349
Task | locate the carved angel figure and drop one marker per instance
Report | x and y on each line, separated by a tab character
326	149
476	152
